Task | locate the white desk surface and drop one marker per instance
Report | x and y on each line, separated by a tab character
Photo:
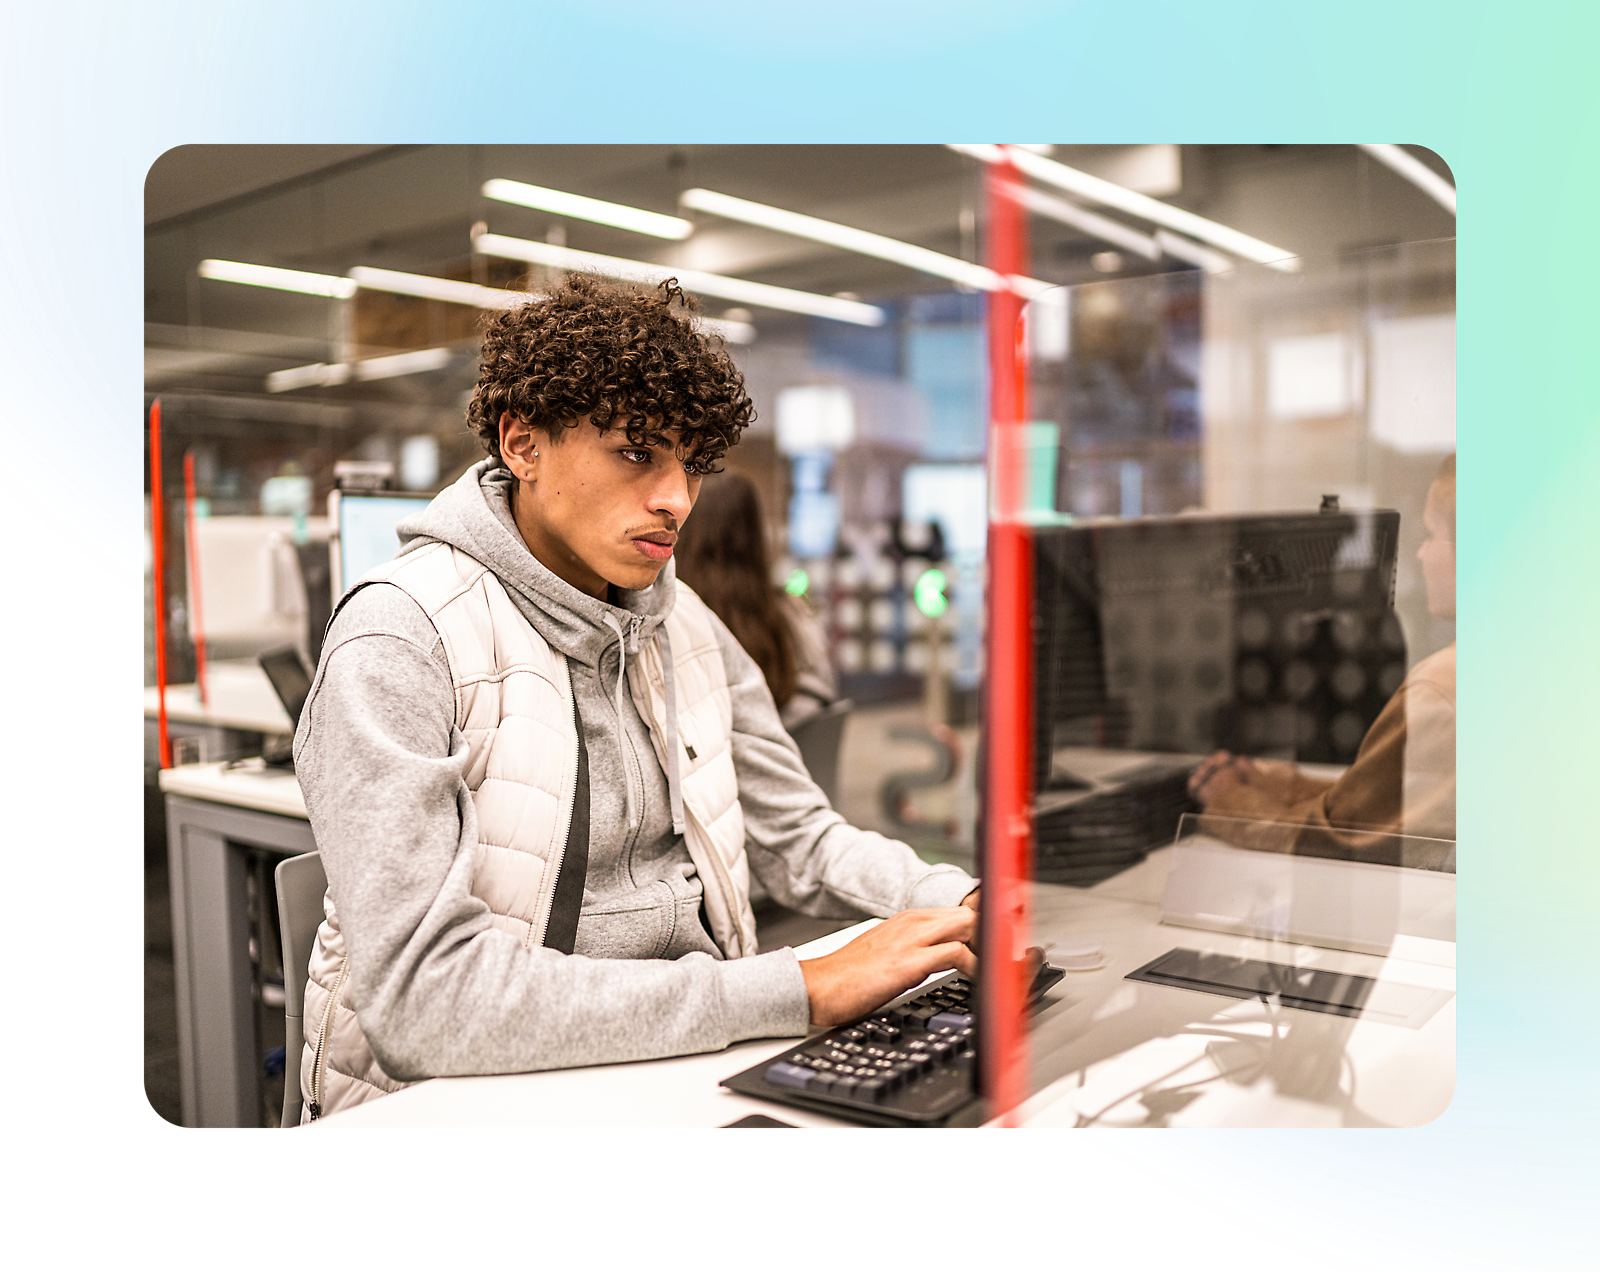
1101	1039
250	784
241	697
1099	1042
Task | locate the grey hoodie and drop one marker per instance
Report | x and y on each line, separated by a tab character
438	990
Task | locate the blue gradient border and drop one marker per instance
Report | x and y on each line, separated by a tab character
94	92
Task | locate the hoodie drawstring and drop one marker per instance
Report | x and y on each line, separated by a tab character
630	645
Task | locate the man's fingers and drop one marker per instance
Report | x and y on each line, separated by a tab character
963	922
958	957
930	927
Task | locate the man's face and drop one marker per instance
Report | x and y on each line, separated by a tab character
593	507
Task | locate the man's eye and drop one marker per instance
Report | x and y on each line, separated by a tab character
636	456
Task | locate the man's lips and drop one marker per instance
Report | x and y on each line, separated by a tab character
657	546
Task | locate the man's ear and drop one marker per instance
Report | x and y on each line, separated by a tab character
519	446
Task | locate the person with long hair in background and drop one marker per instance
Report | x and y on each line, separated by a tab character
722	554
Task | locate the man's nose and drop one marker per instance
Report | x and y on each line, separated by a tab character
671	495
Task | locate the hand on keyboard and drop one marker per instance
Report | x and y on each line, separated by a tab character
880	964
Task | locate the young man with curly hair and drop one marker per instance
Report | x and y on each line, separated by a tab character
541	772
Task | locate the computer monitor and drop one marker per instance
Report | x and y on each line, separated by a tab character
364	536
1266	634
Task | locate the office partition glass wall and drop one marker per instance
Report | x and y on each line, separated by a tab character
1242	520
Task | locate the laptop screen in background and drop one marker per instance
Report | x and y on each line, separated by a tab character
366	531
289	679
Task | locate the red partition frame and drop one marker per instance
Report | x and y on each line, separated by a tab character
1008	684
158	552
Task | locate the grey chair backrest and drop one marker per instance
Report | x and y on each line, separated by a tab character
818	738
301	884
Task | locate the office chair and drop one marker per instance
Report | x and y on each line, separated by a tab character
301	883
818	738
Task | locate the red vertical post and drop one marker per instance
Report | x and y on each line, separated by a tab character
196	626
158	553
1008	684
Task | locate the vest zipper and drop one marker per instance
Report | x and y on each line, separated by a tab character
320	1055
723	880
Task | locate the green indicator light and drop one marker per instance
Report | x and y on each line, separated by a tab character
929	593
797	583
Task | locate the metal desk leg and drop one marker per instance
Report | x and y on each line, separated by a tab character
219	1071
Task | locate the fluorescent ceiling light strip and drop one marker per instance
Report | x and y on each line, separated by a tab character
1194	253
283	279
694	280
739	333
1030	288
586	209
394	364
854	240
1101	227
1097	190
313	375
1416	172
843	236
382	368
429	288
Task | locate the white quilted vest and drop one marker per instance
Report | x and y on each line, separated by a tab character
514	707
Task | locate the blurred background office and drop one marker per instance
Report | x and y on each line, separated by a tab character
1213	329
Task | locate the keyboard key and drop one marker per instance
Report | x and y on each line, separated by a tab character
949	1020
852	1035
870	1088
789	1075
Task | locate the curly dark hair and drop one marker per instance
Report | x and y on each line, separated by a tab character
613	352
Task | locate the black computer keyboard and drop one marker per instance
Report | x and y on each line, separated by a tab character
908	1064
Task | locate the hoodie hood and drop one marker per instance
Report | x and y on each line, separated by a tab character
474	515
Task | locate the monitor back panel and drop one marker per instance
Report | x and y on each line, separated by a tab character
1265	634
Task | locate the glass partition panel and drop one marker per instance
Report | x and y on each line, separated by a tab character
1240	976
1241	488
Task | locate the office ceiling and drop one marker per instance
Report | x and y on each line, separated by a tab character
327	209
191	179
